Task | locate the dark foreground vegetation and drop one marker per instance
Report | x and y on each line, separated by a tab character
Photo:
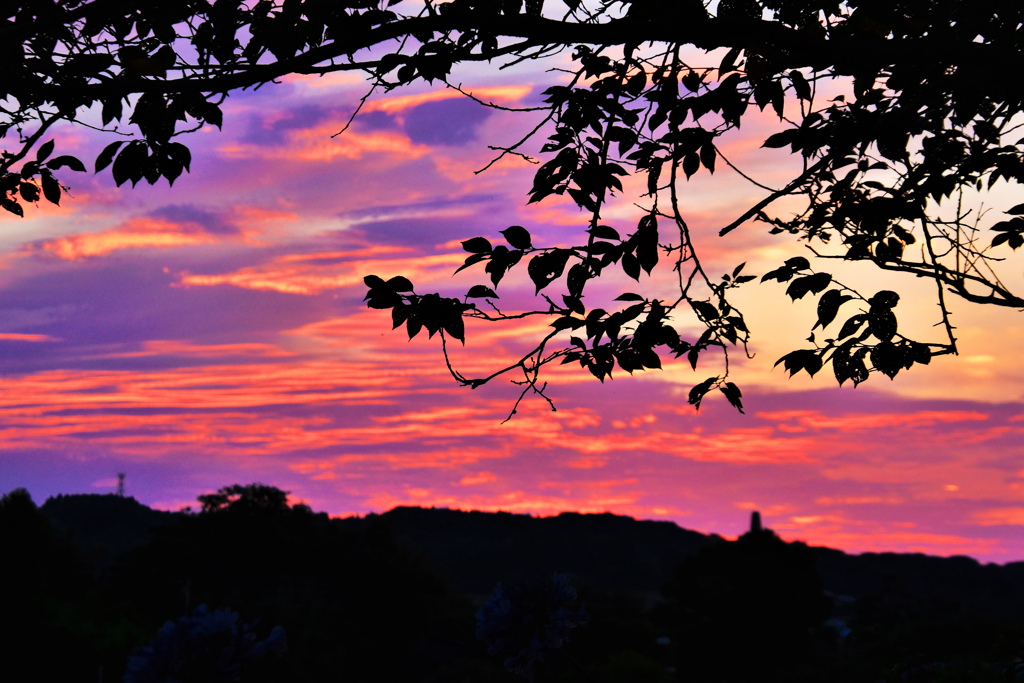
250	588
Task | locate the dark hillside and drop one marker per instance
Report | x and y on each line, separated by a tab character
472	551
105	525
394	596
992	589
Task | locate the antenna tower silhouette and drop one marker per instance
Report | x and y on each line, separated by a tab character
120	484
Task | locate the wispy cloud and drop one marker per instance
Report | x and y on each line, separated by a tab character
15	336
140	233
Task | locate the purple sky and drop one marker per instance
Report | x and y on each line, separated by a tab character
213	333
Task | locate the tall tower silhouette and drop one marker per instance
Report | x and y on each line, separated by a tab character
120	484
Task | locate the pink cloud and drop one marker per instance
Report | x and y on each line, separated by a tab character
737	445
477	479
14	336
856	422
311	274
1013	516
170	347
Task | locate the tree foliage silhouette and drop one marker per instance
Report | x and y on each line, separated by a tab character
898	114
241	498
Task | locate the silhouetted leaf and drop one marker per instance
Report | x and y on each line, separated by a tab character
782	274
647	243
882	323
800	85
848	364
733	393
604	232
71	162
382	299
801	359
454	325
781	139
44	151
631	266
517	236
884	299
481	292
12	206
413	326
698	392
399	284
544	268
887	358
51	188
828	306
568	322
809	283
477	245
107	155
920	353
573	304
29	192
706	310
852	325
111	110
129	164
399	314
471	260
798	263
691	163
707	157
577	279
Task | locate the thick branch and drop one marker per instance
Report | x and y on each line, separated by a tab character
845	55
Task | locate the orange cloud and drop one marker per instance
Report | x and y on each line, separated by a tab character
169	347
588	462
305	275
480	478
208	387
137	233
502	93
859	500
317	145
739	445
441	458
1013	516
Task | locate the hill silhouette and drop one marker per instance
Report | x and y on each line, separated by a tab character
393	596
474	550
105	525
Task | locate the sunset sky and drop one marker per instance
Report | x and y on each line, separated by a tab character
213	333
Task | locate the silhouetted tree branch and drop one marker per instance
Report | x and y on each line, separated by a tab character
926	112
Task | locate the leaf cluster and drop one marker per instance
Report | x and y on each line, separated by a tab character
867	341
430	311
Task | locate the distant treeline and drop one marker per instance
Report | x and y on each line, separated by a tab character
250	588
